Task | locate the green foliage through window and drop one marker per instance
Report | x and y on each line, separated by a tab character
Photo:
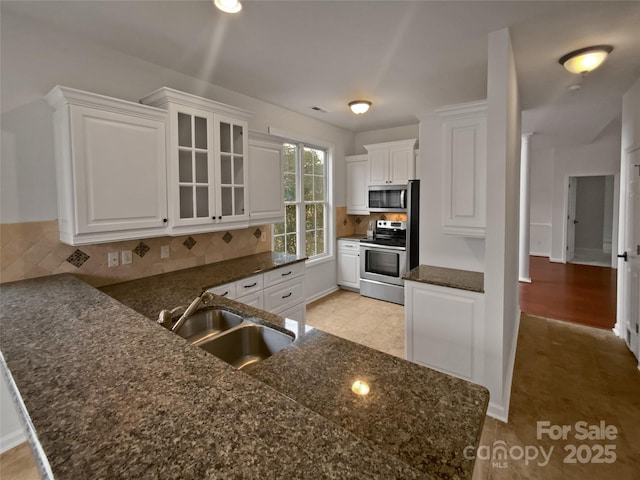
305	177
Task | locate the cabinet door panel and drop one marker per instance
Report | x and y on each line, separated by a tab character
401	166
266	183
442	327
379	167
120	162
357	182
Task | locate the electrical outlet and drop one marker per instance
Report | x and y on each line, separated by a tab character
126	257
263	237
112	259
164	251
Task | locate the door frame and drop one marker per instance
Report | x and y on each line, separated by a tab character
617	212
622	300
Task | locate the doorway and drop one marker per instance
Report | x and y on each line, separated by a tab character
590	220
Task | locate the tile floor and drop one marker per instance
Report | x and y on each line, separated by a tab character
564	373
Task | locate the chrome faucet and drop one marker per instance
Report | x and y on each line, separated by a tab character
165	315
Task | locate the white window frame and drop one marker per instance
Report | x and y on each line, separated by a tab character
329	234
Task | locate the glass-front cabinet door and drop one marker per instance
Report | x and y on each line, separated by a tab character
231	150
193	193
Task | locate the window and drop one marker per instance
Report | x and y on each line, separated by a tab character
306	207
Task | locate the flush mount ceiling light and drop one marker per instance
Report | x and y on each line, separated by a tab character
359	106
585	59
229	6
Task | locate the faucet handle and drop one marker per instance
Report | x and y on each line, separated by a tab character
165	317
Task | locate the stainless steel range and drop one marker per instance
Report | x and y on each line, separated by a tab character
383	262
394	249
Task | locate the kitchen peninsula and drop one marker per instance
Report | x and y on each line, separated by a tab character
110	394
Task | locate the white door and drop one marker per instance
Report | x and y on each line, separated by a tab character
629	265
571	219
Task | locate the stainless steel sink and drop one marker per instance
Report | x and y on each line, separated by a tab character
247	345
205	324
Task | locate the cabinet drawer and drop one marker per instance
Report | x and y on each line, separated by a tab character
249	285
348	245
255	299
284	295
283	274
228	290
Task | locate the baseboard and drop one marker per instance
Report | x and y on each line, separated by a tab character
12	440
324	293
556	260
539	254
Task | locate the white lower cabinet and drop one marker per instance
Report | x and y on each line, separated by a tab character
445	329
280	291
349	264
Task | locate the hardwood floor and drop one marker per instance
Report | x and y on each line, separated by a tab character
582	294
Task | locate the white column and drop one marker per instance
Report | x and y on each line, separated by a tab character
524	209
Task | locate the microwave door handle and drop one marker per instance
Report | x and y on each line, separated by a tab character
403	198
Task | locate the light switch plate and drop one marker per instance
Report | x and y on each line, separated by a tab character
164	251
126	257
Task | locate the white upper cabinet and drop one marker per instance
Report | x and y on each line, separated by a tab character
391	162
357	183
208	169
266	179
465	169
110	168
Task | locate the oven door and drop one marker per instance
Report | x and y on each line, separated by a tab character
383	263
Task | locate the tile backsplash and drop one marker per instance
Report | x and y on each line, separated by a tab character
34	250
357	224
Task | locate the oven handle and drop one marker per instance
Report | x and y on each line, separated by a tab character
382	247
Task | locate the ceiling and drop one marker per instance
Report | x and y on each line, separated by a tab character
405	57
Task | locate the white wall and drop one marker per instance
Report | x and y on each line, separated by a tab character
11	430
599	158
541	188
502	312
384	135
35	58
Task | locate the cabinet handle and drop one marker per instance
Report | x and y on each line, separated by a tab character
164	220
225	294
287	295
213	218
252	285
285	274
220	217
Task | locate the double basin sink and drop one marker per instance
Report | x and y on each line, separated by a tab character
232	338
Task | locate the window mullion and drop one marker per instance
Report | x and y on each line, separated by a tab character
300	224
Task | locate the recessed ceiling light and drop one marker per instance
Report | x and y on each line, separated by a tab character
359	106
585	59
228	6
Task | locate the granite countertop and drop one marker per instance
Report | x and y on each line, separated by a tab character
447	277
110	394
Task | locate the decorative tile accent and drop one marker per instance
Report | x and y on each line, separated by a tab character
189	242
227	237
358	221
383	217
141	249
257	233
77	258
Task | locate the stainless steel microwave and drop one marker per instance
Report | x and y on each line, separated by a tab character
387	198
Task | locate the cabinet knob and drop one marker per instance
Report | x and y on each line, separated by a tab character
164	220
220	217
